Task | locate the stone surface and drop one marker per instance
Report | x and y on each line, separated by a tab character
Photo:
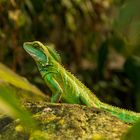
67	121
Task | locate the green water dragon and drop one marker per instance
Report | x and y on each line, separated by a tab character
65	86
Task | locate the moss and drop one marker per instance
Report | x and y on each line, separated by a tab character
66	121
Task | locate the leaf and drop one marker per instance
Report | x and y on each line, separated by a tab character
10	105
12	78
133	133
103	52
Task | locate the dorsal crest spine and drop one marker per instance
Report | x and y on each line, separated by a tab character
53	52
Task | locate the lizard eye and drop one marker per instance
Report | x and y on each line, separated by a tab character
36	45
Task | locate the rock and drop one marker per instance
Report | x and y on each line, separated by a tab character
66	122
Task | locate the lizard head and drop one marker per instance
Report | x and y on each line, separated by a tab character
40	53
37	51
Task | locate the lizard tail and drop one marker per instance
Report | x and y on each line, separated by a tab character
122	114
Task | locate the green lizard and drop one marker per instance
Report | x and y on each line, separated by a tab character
66	86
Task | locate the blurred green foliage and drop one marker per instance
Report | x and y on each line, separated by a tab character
133	133
95	40
10	105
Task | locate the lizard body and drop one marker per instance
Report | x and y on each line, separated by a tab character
66	86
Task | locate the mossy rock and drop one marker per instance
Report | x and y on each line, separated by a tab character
66	121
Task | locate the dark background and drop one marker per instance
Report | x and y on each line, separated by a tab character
98	41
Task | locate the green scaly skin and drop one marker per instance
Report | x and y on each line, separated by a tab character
65	86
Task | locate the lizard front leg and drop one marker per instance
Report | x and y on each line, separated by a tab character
54	86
